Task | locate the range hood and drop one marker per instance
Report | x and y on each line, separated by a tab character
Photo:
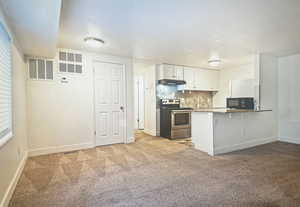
171	82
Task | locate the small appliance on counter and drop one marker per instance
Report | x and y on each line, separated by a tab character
246	103
175	122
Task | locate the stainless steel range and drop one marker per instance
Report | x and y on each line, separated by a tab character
175	122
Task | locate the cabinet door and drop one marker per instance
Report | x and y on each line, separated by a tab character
206	80
189	78
168	72
201	81
178	72
213	80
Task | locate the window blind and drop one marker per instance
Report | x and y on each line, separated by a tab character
5	87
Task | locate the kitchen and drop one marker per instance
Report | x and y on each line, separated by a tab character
204	100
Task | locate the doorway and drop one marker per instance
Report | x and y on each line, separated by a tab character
110	99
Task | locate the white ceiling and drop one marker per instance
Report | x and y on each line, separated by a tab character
35	24
184	32
175	31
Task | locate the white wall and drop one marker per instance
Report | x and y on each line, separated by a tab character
61	115
13	153
226	75
289	98
268	82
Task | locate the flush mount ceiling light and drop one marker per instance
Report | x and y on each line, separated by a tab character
214	62
94	42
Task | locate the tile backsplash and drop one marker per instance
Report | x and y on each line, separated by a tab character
195	99
166	92
191	99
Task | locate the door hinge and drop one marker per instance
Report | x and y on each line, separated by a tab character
95	132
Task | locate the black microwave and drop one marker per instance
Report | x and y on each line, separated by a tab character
240	103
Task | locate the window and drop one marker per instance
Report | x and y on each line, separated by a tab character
70	62
5	87
40	69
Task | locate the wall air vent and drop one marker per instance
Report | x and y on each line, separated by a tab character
40	69
70	62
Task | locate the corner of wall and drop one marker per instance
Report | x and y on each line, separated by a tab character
10	190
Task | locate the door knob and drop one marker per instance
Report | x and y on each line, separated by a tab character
122	108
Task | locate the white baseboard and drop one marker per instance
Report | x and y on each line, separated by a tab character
290	140
245	145
151	132
208	151
11	188
130	140
64	148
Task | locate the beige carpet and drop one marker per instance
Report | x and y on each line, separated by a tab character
157	172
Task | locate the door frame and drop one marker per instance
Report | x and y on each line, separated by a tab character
125	138
139	100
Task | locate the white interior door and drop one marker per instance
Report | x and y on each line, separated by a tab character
109	103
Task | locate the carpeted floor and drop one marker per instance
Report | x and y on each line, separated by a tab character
157	172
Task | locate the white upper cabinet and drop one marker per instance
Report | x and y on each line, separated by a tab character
200	79
173	72
189	77
166	72
197	79
212	80
179	72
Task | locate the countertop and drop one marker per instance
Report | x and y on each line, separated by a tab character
224	110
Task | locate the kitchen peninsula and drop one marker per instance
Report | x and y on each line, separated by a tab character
217	131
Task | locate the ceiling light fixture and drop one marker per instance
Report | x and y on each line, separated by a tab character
214	62
94	42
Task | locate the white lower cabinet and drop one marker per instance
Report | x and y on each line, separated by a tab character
198	79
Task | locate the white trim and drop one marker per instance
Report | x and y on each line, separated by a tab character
289	140
151	132
244	145
5	139
130	140
10	190
57	149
